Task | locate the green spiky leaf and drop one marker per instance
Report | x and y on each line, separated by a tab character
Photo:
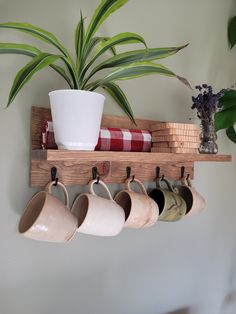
24	75
102	12
120	98
132	71
79	38
130	57
36	32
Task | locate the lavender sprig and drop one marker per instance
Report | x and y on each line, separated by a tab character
206	102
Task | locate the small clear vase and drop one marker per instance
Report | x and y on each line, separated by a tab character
208	138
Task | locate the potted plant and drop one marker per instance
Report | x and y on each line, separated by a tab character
80	107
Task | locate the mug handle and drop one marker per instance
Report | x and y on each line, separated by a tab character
139	183
185	181
170	188
48	188
91	190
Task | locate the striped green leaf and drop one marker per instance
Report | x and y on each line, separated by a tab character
79	38
134	56
120	39
132	71
232	32
102	12
36	32
118	95
19	49
25	74
95	41
27	50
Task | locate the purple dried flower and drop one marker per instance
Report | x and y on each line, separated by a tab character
206	102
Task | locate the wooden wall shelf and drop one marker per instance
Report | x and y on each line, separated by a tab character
75	167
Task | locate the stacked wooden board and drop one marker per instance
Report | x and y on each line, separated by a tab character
172	137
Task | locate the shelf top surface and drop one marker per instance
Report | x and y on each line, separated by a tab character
65	155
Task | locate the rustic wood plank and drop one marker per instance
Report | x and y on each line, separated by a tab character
73	172
66	155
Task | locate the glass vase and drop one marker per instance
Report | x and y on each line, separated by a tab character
208	138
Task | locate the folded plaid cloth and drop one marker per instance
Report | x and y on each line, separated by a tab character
110	139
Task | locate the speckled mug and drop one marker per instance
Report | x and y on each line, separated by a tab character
46	218
195	201
98	215
172	206
140	210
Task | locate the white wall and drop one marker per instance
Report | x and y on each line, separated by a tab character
185	267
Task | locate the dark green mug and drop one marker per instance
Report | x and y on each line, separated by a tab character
172	206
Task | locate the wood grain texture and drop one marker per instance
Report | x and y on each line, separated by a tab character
175	144
176	132
66	155
74	172
175	138
173	125
178	150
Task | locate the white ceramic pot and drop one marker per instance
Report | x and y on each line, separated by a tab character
76	116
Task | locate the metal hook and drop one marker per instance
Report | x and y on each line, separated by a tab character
182	172
54	175
128	171
95	174
158	169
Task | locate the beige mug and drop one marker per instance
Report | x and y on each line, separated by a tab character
97	215
195	202
140	210
46	218
172	206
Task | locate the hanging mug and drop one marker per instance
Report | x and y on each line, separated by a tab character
140	210
98	215
195	202
172	206
46	218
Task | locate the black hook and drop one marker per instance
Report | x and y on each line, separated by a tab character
158	170
128	171
95	174
54	175
182	172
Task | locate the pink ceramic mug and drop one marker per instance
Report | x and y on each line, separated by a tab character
140	210
98	215
46	218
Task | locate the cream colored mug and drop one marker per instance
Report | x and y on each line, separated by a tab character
140	210
97	215
46	218
195	202
171	205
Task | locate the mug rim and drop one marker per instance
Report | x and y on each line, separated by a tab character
27	210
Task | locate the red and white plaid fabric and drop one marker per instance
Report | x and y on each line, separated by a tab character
48	140
110	139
